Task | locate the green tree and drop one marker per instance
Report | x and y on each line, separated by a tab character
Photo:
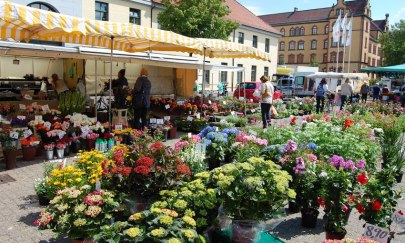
197	18
393	45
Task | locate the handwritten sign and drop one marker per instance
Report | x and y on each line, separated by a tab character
38	118
209	102
189	118
198	115
376	233
180	102
166	118
22	106
399	218
14	135
152	121
27	133
85	130
159	121
45	108
118	127
167	107
47	125
27	97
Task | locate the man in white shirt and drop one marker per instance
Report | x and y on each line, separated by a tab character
345	92
266	99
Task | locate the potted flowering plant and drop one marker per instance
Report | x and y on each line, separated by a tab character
29	148
49	148
250	193
9	141
91	141
78	212
6	109
216	145
67	142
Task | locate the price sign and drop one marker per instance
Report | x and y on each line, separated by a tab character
61	135
399	218
48	125
45	108
38	118
189	135
167	107
216	129
85	130
180	102
189	118
232	113
224	102
27	97
209	102
152	121
21	117
27	133
14	135
376	233
34	104
22	106
159	121
198	115
167	118
118	127
253	110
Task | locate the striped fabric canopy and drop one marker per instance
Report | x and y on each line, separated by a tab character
226	49
20	22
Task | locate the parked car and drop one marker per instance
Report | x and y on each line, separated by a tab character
250	88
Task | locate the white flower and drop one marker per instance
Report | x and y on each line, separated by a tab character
323	174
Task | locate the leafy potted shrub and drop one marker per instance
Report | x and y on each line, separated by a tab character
251	191
216	146
9	143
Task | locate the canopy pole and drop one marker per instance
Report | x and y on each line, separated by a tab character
110	90
350	53
95	91
244	95
203	80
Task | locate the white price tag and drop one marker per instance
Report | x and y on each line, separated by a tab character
399	218
34	104
189	118
38	118
21	117
251	100
98	185
180	102
376	233
189	135
253	110
45	108
167	107
198	115
232	113
152	121
55	118
27	97
61	135
22	106
209	102
167	118
216	129
14	135
159	121
85	130
224	102
27	133
118	127
47	125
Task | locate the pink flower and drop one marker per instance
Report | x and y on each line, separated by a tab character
312	157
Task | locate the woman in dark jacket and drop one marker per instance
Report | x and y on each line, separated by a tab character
141	99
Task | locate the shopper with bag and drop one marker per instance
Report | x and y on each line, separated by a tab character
141	99
266	100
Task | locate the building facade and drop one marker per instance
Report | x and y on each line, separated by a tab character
252	31
307	37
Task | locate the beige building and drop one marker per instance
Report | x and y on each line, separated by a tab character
307	37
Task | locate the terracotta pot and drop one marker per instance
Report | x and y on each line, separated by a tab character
90	144
243	231
335	236
309	217
29	152
173	133
10	159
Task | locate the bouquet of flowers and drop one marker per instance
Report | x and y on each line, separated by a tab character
29	141
49	146
60	146
6	109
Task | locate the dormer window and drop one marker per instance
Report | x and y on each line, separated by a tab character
340	11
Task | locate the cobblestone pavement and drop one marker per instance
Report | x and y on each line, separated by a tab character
19	207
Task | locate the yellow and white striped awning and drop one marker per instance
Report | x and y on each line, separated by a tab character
226	49
20	22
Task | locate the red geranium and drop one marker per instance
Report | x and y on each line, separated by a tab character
183	169
142	170
145	161
360	208
293	120
156	145
362	179
348	122
376	206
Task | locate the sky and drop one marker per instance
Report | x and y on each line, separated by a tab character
395	8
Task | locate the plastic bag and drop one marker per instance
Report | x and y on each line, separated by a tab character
256	93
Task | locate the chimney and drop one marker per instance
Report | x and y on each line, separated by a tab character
387	15
295	9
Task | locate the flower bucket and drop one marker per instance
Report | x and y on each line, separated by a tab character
10	159
60	153
49	154
173	133
42	200
67	150
90	144
29	152
309	217
243	231
335	236
39	150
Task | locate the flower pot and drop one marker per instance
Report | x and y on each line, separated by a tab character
165	134
173	133
49	154
83	241
243	231
213	163
335	236
293	207
60	153
399	177
309	217
10	159
90	144
42	200
29	152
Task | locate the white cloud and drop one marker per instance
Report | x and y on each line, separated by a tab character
398	16
256	10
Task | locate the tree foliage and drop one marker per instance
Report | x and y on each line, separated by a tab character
197	18
393	45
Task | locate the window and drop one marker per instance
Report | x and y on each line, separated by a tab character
224	74
291	58
314	44
340	56
266	71
369	47
366	26
254	41
241	38
253	73
327	29
333	57
300	58
340	11
375	49
207	76
291	45
379	52
369	61
365	57
300	45
373	62
267	45
325	44
325	58
43	6
365	43
282	46
314	30
282	31
297	31
292	32
281	59
334	44
302	31
135	16
239	75
101	11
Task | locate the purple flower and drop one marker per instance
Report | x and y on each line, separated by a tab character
350	165
291	146
299	169
335	160
361	164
